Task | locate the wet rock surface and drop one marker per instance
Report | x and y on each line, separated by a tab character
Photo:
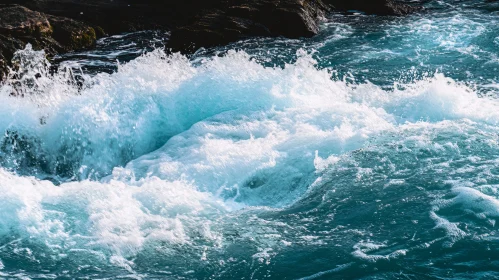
245	18
119	16
238	19
20	26
66	25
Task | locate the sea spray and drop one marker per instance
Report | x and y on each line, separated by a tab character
228	167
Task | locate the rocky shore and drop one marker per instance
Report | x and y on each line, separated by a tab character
20	26
59	26
238	19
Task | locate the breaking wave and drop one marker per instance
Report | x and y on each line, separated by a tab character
168	165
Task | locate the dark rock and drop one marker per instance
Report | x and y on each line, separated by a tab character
65	25
99	32
117	16
239	19
20	26
212	29
19	21
71	34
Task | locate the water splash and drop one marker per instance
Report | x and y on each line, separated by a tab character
235	167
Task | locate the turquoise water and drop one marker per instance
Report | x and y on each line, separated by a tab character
368	152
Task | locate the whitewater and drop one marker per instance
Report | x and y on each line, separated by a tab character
370	151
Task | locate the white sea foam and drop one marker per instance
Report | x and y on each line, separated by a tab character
116	217
231	133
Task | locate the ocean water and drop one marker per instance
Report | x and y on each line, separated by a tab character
370	151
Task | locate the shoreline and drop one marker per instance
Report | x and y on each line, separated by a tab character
62	26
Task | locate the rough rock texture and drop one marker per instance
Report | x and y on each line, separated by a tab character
19	21
244	18
71	34
237	19
19	26
116	16
66	25
208	23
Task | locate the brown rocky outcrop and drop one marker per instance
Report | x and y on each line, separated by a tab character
20	26
66	25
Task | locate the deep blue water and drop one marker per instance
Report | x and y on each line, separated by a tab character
370	151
